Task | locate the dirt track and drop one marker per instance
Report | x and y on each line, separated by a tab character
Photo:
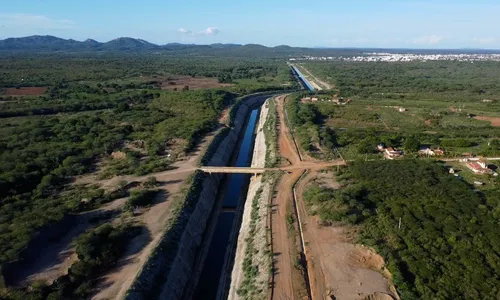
283	286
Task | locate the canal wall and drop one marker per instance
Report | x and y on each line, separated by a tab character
252	244
191	241
169	268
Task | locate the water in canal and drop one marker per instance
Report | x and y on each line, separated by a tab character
212	269
304	80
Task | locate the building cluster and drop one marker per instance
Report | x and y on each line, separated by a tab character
479	166
390	152
426	151
404	57
335	100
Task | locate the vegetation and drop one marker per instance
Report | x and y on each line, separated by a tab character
307	121
248	288
140	198
148	283
98	250
271	135
108	110
440	100
447	232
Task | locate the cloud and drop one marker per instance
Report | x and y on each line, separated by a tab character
210	31
31	21
427	40
485	40
185	31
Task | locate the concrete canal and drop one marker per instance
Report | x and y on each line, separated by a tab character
228	221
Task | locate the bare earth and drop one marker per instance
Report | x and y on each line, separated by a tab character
25	91
337	266
283	286
116	283
495	122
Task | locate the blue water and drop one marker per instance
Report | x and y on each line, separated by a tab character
308	85
212	269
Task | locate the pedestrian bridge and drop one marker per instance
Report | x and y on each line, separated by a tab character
236	170
255	171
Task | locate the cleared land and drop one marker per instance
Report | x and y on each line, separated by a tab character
25	91
495	121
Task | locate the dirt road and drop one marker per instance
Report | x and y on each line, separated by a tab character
283	286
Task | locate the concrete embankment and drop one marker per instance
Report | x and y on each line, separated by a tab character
167	279
250	273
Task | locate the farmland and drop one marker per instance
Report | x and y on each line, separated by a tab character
438	103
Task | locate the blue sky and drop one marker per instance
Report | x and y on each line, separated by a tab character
330	23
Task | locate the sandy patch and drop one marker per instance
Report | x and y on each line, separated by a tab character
25	91
495	122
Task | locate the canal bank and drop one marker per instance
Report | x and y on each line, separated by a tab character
305	82
170	267
226	222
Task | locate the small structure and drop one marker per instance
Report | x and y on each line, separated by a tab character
430	152
439	152
391	153
452	171
479	167
402	109
426	151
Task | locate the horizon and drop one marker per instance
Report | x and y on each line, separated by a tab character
419	24
268	46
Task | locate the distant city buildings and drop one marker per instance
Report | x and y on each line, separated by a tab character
391	57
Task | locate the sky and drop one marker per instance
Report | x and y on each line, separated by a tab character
430	24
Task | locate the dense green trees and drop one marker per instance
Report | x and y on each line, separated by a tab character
448	232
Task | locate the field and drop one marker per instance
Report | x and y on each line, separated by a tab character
440	104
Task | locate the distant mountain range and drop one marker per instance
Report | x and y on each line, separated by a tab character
52	43
49	43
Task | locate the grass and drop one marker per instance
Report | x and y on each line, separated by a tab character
271	135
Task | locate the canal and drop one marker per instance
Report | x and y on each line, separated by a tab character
303	79
236	191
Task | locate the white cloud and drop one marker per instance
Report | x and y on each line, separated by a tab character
210	31
427	40
185	31
485	40
30	21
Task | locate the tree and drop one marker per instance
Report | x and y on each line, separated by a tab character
412	144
